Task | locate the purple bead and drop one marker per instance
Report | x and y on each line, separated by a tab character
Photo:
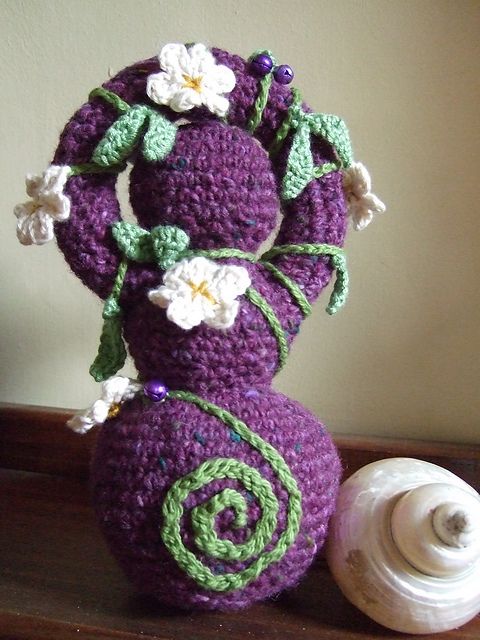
262	64
283	74
155	390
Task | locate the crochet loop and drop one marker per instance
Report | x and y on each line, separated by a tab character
339	262
203	516
111	352
262	98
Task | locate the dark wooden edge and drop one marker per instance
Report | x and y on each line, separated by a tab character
34	438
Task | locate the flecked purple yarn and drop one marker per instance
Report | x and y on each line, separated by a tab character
219	185
140	454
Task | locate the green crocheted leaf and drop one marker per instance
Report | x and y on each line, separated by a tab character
299	170
111	352
134	242
169	244
335	131
122	137
159	138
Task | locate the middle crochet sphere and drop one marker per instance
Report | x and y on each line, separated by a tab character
150	448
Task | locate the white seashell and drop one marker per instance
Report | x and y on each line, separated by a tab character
404	545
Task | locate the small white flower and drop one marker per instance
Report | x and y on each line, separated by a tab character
115	390
190	78
197	290
362	203
35	218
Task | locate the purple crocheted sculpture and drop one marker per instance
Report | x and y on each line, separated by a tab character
213	491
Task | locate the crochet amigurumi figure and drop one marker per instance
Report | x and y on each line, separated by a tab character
213	491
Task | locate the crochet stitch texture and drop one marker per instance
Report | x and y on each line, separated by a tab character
193	503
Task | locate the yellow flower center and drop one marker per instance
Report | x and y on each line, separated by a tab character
113	411
35	206
192	83
202	290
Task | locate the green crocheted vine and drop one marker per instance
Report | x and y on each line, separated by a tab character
203	516
262	98
339	262
166	245
300	168
271	317
111	352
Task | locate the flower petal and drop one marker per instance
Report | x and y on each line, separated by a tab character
185	313
202	61
372	203
230	282
33	183
220	79
161	297
55	177
218	105
55	205
160	88
100	410
185	99
114	388
225	316
174	57
36	228
361	218
357	180
81	422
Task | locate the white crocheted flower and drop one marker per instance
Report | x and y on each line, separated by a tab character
197	290
362	203
190	78
35	218
115	390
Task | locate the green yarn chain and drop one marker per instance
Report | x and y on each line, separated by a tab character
262	97
203	516
300	168
339	262
112	98
166	245
271	317
111	354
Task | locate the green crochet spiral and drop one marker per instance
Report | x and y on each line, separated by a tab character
203	516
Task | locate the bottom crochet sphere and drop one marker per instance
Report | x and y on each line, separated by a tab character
217	504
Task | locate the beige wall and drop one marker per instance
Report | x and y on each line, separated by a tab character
402	358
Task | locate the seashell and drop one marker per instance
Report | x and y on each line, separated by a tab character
404	545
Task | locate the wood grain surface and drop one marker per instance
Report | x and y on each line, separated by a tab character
58	581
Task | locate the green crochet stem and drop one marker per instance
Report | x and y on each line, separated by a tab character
120	105
271	317
218	254
339	262
203	516
91	167
300	169
166	245
111	352
262	98
284	129
291	286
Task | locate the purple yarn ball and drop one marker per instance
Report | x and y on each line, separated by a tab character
142	452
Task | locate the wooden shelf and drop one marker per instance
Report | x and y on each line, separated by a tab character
58	581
